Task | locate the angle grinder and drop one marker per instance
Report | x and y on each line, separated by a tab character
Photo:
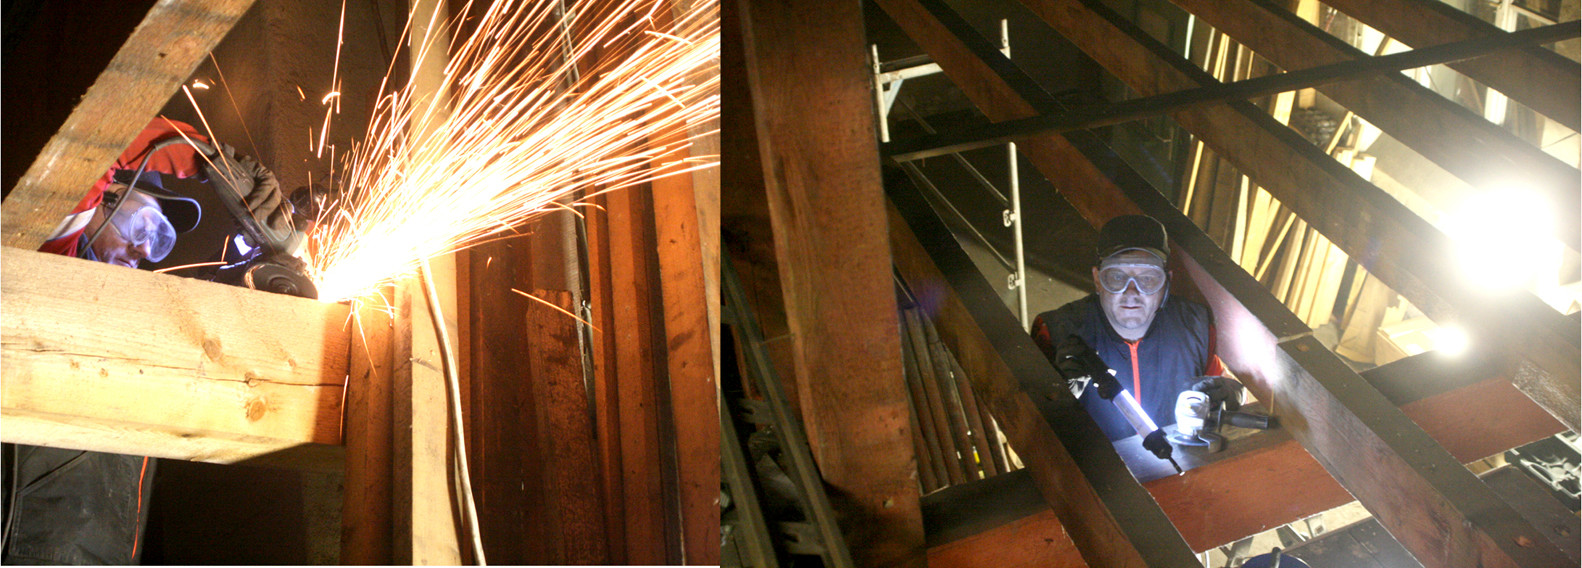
266	256
1199	416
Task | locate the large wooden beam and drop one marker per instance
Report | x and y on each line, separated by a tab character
1111	519
161	53
821	171
1537	77
104	358
1393	243
1457	139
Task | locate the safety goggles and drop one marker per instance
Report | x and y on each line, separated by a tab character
145	227
1148	279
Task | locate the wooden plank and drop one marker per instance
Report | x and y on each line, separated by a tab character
160	54
690	358
1473	435
366	529
1220	503
1114	523
821	173
1228	498
1459	140
574	495
1216	93
426	518
1541	79
1396	245
1037	541
637	369
950	403
943	428
931	459
166	366
606	389
980	434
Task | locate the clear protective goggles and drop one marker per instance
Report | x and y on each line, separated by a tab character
147	228
1149	279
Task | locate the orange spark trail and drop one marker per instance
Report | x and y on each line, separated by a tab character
518	130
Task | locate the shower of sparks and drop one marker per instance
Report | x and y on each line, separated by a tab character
519	131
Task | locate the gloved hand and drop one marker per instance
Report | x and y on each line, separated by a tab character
1220	390
257	186
1157	444
1076	360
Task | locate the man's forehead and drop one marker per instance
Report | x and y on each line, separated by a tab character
1133	257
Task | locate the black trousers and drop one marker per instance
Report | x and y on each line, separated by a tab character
75	507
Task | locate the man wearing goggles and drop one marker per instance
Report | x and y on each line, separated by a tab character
128	229
1158	346
78	507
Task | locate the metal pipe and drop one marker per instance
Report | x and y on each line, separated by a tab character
977	175
1016	229
878	96
922	180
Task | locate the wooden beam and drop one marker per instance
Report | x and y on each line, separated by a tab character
821	171
569	463
103	358
630	390
1037	541
1227	500
160	54
1402	249
366	517
1106	114
426	519
1539	78
1459	140
690	358
1466	409
1112	523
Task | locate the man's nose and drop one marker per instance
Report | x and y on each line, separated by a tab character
140	252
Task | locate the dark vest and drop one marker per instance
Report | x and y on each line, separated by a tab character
1176	350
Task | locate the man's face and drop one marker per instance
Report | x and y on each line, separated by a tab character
127	241
1133	272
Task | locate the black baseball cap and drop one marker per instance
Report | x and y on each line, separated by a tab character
183	212
1133	232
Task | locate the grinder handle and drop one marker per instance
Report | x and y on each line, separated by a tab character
1246	420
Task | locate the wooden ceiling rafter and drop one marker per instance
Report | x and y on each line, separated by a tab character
1535	76
1457	139
158	57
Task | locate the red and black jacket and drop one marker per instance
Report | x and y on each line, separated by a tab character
1178	348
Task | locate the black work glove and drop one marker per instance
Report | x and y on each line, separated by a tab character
1156	444
1220	390
257	186
1077	360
